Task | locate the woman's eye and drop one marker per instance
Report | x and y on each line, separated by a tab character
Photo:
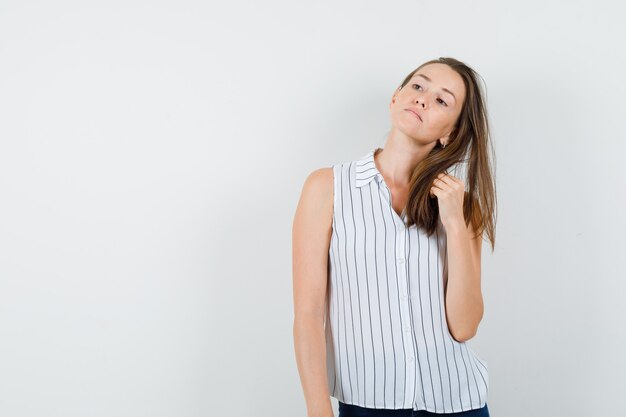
439	99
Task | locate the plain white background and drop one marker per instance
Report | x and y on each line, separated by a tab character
152	155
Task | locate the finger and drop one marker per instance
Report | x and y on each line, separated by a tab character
441	184
435	190
449	177
443	178
456	182
455	179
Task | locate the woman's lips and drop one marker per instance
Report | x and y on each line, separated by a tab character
416	115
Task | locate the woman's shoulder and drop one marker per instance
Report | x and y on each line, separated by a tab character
319	182
315	208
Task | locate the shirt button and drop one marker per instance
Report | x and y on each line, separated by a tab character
410	358
407	328
400	228
400	260
404	297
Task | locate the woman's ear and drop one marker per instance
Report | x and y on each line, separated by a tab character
393	98
395	94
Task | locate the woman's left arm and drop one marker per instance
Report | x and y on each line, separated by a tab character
463	295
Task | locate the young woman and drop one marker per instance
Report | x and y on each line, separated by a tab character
386	260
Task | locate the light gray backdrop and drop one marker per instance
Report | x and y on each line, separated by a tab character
152	154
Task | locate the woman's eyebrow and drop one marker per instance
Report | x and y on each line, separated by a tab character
444	89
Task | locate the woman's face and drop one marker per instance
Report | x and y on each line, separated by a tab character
436	93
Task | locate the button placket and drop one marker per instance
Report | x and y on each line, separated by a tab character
402	279
405	305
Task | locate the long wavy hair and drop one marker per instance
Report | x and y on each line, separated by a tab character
468	144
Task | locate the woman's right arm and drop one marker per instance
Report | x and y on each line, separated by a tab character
312	228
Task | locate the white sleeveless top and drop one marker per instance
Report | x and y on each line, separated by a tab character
387	340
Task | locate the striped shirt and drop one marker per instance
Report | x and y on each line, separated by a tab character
387	340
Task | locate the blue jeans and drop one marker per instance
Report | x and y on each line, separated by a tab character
349	410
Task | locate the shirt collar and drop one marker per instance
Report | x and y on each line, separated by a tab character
366	169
